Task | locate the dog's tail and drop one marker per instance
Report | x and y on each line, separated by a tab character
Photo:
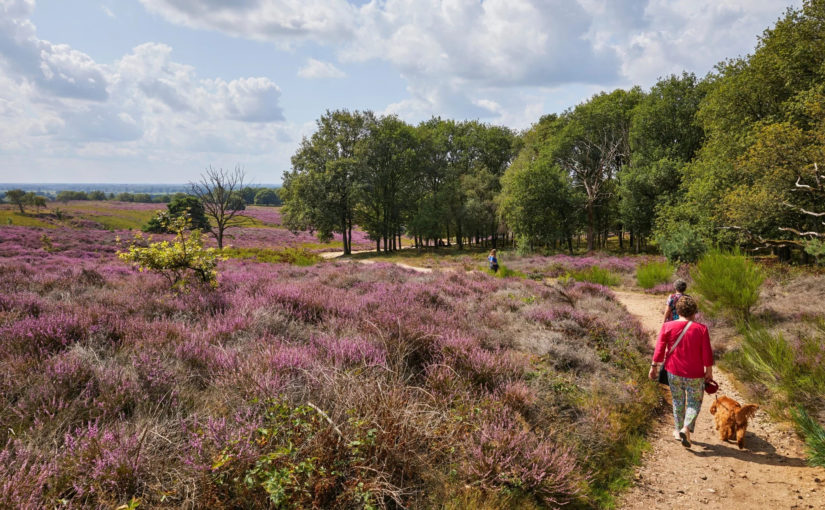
713	407
745	412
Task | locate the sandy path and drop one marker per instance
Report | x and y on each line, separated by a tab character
769	474
338	254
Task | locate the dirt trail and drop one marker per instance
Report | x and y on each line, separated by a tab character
769	474
339	254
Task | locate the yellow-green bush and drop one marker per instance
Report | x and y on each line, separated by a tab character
178	261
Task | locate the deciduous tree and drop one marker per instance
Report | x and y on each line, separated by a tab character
217	191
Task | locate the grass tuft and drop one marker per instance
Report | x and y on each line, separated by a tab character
654	273
596	274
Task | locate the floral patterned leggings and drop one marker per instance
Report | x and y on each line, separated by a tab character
687	399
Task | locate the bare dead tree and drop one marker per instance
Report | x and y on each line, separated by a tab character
592	163
818	189
759	243
218	191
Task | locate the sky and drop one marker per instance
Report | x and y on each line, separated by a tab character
155	91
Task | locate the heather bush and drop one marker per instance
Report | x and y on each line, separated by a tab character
728	282
504	455
654	273
337	385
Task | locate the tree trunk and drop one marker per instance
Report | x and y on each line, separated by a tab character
590	227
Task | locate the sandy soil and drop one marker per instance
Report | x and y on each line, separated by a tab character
340	254
769	474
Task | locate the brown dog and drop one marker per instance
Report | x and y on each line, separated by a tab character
732	419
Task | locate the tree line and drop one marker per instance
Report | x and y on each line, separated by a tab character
435	182
249	195
728	159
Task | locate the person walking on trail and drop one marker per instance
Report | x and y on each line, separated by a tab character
670	312
493	261
683	348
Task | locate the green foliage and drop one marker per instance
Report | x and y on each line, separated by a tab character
505	272
305	460
46	243
17	197
792	374
522	245
267	196
814	435
159	223
177	261
728	282
816	247
538	200
295	256
189	205
684	244
596	274
653	273
67	195
763	121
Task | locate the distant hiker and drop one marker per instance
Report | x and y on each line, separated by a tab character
683	347
670	311
493	261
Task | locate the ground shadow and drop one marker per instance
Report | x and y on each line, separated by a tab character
757	450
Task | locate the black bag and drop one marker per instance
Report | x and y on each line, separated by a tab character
662	371
663	375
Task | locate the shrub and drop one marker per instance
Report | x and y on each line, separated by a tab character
177	260
683	245
814	436
506	272
793	373
729	281
653	273
596	274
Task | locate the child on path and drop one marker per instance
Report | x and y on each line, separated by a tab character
670	311
493	261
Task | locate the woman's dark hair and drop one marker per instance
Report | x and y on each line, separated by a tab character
680	285
686	306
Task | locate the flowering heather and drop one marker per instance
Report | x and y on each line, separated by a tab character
349	385
558	265
269	216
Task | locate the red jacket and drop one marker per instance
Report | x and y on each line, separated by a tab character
692	354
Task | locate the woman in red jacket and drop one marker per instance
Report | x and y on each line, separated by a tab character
689	365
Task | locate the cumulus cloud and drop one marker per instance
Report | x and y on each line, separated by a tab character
282	21
316	69
58	69
58	104
453	52
661	37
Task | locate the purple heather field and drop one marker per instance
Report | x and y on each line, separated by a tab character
339	385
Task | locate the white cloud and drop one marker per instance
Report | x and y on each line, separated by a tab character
145	109
58	69
662	37
316	69
451	51
108	12
281	21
